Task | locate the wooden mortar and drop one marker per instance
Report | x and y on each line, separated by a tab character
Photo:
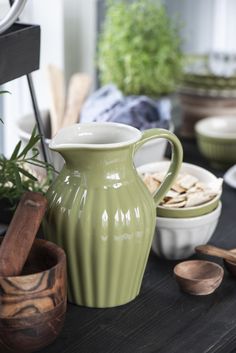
33	305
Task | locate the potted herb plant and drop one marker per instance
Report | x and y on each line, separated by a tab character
16	177
139	49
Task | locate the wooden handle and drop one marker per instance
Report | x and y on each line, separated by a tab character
21	233
214	251
78	90
57	97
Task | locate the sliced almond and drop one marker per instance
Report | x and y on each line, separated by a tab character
151	184
176	187
200	185
171	194
197	199
175	205
187	181
159	176
176	199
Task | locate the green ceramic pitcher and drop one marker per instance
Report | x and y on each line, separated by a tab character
101	212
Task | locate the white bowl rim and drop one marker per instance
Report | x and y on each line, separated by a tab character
205	126
193	208
193	222
25	134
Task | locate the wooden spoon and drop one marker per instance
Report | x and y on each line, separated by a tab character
78	90
215	251
21	233
57	97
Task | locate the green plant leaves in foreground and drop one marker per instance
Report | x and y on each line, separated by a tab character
16	177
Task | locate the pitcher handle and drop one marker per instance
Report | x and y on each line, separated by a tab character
176	158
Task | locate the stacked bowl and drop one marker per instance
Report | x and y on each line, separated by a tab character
216	138
180	229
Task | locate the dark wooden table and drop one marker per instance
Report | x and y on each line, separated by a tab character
162	319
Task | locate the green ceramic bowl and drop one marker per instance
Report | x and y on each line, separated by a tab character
202	174
216	139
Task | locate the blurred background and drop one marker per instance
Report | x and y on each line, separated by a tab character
69	40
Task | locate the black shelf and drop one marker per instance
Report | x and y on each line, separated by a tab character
20	51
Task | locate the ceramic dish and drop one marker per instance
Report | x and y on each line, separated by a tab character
202	174
216	138
176	238
198	277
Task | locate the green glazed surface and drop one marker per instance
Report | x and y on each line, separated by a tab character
187	213
221	152
104	217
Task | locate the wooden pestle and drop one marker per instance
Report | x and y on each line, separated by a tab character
21	233
215	251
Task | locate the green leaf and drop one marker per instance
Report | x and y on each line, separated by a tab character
17	179
27	174
16	150
14	179
34	138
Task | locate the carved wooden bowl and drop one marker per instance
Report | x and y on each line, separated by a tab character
33	305
198	277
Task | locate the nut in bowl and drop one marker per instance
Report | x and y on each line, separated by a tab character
195	192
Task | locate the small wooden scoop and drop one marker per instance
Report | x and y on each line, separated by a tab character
79	86
214	251
21	233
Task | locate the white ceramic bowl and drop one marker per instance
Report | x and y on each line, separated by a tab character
222	127
203	176
176	238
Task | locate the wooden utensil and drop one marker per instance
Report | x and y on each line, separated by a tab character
79	86
231	266
21	233
57	97
198	277
215	251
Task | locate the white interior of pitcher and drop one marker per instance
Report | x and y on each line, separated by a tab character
95	135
